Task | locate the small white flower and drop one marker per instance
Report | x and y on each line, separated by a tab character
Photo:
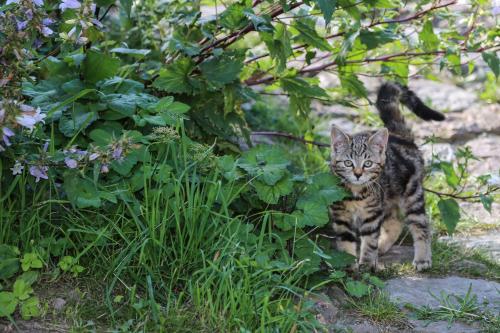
17	169
29	119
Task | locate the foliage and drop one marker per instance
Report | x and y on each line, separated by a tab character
122	126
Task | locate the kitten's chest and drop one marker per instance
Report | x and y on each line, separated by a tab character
357	209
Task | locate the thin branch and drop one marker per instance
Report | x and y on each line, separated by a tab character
231	38
401	20
405	55
462	197
290	137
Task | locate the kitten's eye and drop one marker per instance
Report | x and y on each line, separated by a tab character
368	164
348	163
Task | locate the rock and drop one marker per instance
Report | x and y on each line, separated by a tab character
476	212
489	243
461	126
417	291
58	304
443	151
443	96
424	326
469	265
487	148
326	310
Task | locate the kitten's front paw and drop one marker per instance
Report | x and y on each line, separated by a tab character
370	266
420	265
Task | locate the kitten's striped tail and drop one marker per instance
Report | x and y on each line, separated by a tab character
388	99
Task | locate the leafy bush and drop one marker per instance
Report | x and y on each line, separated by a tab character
122	123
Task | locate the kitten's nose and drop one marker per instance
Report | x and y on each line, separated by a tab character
358	173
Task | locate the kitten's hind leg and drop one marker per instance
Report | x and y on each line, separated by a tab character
418	223
390	231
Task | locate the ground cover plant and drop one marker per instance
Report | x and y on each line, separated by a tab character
126	153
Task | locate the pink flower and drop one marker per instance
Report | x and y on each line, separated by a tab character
104	168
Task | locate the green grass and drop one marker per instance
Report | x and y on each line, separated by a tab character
175	259
378	308
456	308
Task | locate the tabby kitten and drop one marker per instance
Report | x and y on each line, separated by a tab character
384	170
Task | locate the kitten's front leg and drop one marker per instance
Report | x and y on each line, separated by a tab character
370	231
345	236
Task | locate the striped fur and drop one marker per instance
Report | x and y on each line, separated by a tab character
384	170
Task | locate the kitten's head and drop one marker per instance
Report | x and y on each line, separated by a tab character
359	158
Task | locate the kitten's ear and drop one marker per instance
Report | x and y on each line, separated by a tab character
339	140
378	141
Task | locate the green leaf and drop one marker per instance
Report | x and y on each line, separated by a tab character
98	66
487	201
223	69
127	6
429	40
9	261
310	213
233	17
325	189
271	193
340	259
175	78
491	58
327	8
76	119
31	260
357	289
260	22
138	53
227	164
300	87
308	35
8	303
279	45
30	308
374	38
81	192
376	281
267	163
22	290
352	84
449	171
450	213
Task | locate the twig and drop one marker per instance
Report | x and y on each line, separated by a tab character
290	137
462	197
405	54
401	20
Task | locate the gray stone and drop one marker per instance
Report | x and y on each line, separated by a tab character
419	291
487	148
58	304
423	326
460	127
476	212
443	96
490	243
